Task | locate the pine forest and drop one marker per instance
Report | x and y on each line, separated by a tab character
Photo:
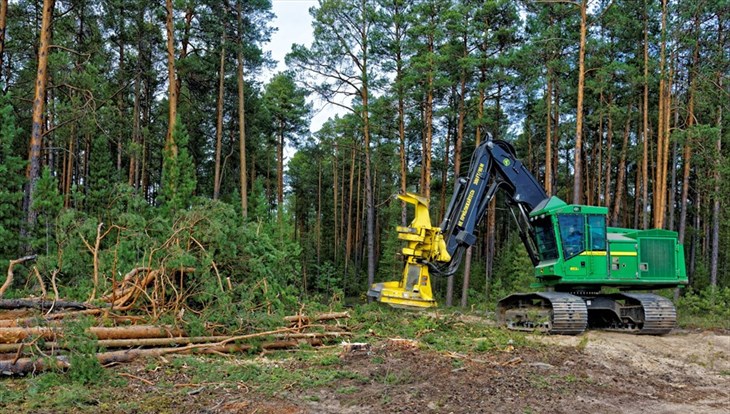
138	138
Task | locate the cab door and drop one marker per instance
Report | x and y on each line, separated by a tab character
572	228
596	248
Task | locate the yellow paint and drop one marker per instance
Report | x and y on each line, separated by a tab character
592	253
624	254
425	244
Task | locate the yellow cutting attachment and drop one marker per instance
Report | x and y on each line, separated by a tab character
424	244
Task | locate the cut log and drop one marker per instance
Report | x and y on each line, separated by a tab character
321	317
32	365
35	320
43	304
150	342
15	314
15	335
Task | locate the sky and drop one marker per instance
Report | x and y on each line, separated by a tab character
294	25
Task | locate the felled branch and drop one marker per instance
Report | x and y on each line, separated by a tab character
9	279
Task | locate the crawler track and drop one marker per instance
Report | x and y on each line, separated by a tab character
566	314
551	312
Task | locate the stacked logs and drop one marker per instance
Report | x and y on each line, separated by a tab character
23	338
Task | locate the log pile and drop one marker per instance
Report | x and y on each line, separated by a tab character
35	344
38	334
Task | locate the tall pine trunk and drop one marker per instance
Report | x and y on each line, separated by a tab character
39	100
3	29
621	179
715	250
219	119
687	156
548	134
172	111
578	173
241	115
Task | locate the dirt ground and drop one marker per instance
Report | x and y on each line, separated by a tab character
599	372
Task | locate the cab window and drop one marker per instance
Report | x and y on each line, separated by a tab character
572	234
597	231
545	236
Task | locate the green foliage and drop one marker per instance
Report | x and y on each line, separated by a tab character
709	307
100	187
12	179
82	348
48	203
178	173
513	271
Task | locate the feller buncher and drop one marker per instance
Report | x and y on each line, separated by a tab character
576	256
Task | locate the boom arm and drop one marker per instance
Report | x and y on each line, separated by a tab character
494	166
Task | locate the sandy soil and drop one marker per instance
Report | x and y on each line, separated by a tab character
600	372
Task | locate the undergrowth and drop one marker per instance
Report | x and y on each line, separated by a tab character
707	308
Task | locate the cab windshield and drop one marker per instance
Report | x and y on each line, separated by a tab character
545	237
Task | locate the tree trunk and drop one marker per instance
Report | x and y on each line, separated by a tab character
351	220
172	116
548	135
185	42
280	173
241	116
3	28
428	122
687	156
133	178
401	111
673	188
609	158
369	189
578	172
621	179
334	204
660	184
645	134
39	100
219	120
714	254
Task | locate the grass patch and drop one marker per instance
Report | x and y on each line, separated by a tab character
348	390
438	330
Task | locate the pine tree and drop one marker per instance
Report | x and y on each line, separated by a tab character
47	203
12	179
286	104
178	174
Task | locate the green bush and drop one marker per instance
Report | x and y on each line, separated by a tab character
709	307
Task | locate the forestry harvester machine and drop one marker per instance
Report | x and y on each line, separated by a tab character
576	257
